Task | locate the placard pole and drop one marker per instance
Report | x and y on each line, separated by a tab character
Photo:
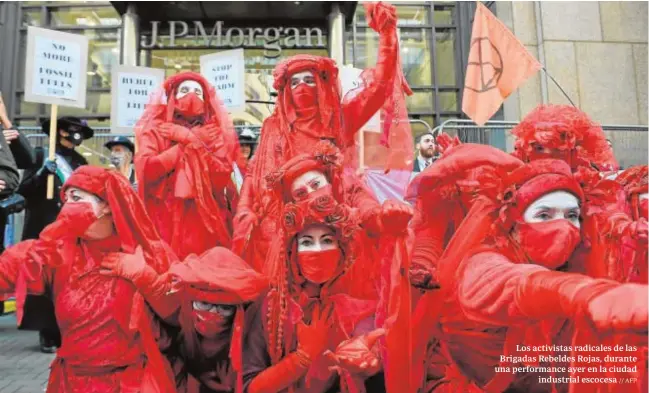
52	153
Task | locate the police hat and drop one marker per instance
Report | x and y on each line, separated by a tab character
70	124
120	140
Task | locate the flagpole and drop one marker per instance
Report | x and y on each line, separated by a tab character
559	86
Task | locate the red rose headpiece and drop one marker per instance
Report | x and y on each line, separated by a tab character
568	132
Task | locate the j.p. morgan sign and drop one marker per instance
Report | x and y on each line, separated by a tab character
271	39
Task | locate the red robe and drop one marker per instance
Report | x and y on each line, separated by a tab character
102	349
173	178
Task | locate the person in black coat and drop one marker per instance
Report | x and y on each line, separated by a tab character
40	212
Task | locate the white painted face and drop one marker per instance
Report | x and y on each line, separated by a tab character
187	87
302	77
307	183
316	238
77	195
556	205
643	196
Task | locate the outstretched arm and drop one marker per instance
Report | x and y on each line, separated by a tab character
366	103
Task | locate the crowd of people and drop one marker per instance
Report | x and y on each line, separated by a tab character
300	280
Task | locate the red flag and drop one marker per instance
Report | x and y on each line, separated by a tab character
498	65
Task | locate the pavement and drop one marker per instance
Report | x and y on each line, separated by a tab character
23	367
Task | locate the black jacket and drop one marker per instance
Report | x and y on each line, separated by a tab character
40	211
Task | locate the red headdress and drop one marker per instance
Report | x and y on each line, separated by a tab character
281	264
162	104
325	158
568	133
329	92
134	228
218	277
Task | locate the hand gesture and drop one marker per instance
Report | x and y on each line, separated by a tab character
177	133
10	135
621	309
356	355
422	277
49	168
126	266
312	340
382	16
395	216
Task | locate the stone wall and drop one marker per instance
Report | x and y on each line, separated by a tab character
597	51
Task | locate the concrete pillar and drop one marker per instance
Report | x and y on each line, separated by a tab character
130	38
336	39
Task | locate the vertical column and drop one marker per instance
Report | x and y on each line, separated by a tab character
336	38
130	37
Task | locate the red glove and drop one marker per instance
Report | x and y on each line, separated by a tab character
280	376
312	340
73	221
621	309
445	143
395	216
371	221
382	17
177	133
358	355
154	287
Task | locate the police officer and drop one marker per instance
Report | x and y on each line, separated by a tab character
40	212
121	156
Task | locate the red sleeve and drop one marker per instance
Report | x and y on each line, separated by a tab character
487	287
153	163
26	260
494	290
430	232
365	104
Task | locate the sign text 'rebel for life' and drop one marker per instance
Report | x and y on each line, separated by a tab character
272	39
56	67
131	89
226	72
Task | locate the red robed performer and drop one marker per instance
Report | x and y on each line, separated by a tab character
108	332
508	278
215	290
186	147
309	326
308	110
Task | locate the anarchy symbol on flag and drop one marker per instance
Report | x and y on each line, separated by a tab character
491	70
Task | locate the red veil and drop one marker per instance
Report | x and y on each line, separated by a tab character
568	133
200	172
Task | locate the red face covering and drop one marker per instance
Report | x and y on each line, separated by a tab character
304	96
319	266
210	324
190	105
550	243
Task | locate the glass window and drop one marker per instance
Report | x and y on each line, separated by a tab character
408	15
415	56
443	15
448	101
31	17
421	125
420	101
102	57
445	57
26	108
96	104
85	16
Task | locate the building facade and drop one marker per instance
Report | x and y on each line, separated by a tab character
596	50
433	46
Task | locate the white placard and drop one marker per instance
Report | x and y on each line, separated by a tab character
56	67
226	72
131	89
349	80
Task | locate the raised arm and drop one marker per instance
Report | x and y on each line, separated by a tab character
151	162
359	109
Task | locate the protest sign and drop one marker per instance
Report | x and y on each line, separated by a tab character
130	91
226	72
